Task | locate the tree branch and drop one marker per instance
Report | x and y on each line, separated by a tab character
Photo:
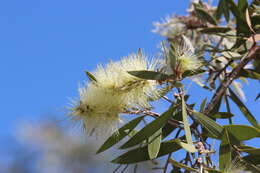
229	79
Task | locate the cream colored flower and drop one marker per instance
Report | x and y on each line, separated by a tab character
185	58
170	27
115	91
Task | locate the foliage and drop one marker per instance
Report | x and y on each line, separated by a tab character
217	48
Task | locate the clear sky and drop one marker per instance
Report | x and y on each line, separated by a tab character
45	45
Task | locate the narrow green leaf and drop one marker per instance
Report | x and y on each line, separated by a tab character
149	75
250	73
211	170
219	10
141	154
120	134
154	143
186	123
189	73
203	104
253	159
214	30
168	128
212	127
244	109
242	132
181	165
231	55
91	77
172	56
149	129
254	151
242	5
226	11
257	97
188	147
222	115
225	151
205	16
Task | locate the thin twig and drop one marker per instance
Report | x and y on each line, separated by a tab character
229	79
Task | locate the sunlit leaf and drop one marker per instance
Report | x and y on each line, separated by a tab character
149	75
186	123
188	147
154	143
242	132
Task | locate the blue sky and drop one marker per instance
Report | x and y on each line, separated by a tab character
46	45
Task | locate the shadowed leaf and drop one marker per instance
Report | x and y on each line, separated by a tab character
120	134
141	154
244	109
149	129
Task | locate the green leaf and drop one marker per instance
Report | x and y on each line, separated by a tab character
149	75
205	16
250	73
242	5
91	77
149	129
186	123
120	134
222	9
257	97
203	104
253	159
168	128
214	30
188	147
189	73
212	127
225	151
222	115
154	143
254	151
239	13
211	170
141	154
244	109
181	165
231	55
242	132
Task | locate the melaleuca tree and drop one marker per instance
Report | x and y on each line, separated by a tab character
215	47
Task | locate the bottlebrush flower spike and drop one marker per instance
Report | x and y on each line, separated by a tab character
185	58
115	91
